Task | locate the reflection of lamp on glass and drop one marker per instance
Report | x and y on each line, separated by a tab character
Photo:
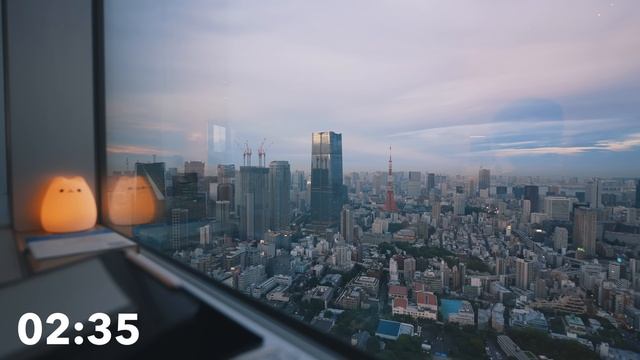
68	205
132	201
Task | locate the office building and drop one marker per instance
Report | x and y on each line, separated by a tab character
252	202
524	273
531	194
347	224
459	203
593	193
327	190
560	238
194	167
279	188
526	211
431	181
585	230
557	208
484	180
414	183
179	228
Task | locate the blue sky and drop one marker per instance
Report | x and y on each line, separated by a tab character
537	87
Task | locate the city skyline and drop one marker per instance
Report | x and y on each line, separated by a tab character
446	95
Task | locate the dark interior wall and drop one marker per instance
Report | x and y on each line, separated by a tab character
49	99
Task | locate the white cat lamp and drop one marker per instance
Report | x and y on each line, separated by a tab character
68	206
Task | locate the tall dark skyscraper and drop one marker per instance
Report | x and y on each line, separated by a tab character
484	179
431	181
531	194
327	191
279	187
252	202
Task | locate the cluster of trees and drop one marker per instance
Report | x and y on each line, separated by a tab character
540	343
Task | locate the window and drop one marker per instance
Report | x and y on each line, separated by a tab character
378	169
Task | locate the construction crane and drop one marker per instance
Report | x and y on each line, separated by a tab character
247	154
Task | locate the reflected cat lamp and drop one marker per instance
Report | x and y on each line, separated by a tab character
132	201
68	206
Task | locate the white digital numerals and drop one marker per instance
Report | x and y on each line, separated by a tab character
30	329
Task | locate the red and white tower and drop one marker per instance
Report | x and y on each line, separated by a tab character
390	201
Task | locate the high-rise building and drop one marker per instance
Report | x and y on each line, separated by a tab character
414	184
593	194
226	173
436	209
557	208
459	203
431	181
409	268
279	188
194	167
531	194
524	273
205	235
346	224
526	211
252	202
484	180
223	210
179	228
560	238
585	230
327	190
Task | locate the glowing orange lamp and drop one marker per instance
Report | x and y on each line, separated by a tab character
132	201
68	205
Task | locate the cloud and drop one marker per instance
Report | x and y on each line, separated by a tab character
439	79
627	144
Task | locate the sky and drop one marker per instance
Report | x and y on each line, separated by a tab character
521	87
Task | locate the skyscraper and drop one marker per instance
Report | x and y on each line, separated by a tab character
279	187
194	167
413	186
431	181
346	224
484	180
526	211
327	191
524	273
252	202
557	208
179	228
531	194
459	203
593	195
560	238
584	230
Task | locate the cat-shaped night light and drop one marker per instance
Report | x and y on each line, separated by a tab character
68	206
132	201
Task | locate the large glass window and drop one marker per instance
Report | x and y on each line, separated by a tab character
444	177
